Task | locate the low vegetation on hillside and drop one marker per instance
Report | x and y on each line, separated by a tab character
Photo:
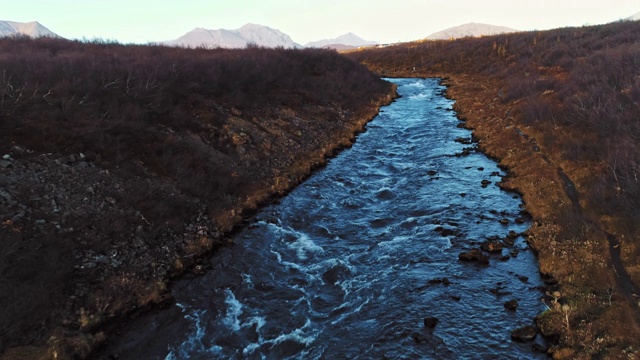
561	109
123	165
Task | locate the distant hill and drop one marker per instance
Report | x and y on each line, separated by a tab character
340	47
240	38
349	39
33	29
634	17
469	30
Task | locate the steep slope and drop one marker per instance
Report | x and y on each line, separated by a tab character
349	39
233	39
33	29
469	30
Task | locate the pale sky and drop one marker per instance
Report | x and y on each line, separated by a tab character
385	21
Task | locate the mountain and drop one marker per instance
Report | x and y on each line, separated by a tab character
340	47
240	38
349	39
470	29
33	29
634	17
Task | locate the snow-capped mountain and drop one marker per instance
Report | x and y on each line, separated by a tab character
33	29
470	29
349	39
240	38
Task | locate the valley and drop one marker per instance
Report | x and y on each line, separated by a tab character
125	168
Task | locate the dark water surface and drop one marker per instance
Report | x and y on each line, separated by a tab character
347	265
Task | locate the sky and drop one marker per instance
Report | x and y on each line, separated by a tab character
385	21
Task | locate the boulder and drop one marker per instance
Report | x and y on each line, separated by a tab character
465	141
239	138
511	304
430	322
539	348
491	246
509	241
524	334
474	255
444	281
446	232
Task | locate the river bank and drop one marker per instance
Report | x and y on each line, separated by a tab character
371	246
558	108
108	197
131	291
584	281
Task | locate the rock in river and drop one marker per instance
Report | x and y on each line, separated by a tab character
430	322
474	255
511	304
491	246
524	334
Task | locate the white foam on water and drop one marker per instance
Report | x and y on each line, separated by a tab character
354	310
288	263
354	284
304	246
419	96
298	335
418	84
259	321
246	278
194	341
396	242
305	335
251	348
232	319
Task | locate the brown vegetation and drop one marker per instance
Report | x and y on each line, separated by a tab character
126	164
561	110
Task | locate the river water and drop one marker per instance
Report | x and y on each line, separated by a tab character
349	264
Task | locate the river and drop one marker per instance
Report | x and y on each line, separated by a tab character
351	262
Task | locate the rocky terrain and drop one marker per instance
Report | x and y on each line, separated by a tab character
124	166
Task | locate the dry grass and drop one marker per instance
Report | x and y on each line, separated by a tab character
559	109
177	146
